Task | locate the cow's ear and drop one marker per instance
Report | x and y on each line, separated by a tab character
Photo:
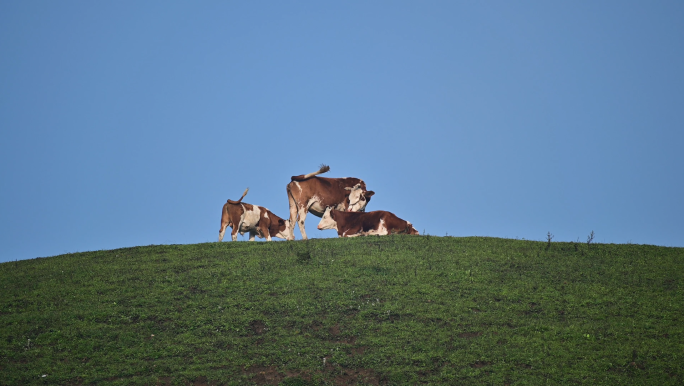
369	193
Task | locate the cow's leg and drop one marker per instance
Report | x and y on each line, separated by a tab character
266	232
251	235
238	227
293	213
302	217
233	233
222	231
264	225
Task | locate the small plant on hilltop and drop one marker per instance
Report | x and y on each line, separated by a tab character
549	237
590	238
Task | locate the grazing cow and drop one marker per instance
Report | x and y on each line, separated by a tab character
256	220
379	222
308	193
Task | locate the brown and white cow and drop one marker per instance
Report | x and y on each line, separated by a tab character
351	224
256	220
308	193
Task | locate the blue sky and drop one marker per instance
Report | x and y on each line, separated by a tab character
130	123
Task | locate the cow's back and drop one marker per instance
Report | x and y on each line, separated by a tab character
366	221
331	191
396	225
373	221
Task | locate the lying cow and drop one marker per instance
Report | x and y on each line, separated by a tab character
308	193
379	222
256	220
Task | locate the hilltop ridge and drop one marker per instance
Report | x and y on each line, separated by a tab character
370	310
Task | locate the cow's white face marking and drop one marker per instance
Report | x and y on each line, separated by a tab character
357	200
327	221
286	233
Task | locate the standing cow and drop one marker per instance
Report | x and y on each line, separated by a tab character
256	220
308	193
379	222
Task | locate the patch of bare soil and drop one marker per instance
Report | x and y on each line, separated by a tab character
315	325
336	333
470	335
197	290
200	381
269	375
534	309
480	364
265	375
629	366
347	340
257	327
358	350
636	365
75	382
164	381
356	376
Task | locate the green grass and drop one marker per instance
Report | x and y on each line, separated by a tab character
388	310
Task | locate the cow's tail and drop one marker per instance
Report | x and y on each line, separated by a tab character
323	169
238	201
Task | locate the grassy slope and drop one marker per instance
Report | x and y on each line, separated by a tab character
380	310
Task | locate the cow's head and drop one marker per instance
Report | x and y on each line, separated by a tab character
328	220
410	229
358	198
225	221
283	229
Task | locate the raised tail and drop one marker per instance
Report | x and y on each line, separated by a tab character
323	169
238	201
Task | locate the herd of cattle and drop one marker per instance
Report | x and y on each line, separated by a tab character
340	202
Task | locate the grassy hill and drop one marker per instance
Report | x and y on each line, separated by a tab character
376	310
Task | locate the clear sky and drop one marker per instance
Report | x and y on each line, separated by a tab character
127	123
